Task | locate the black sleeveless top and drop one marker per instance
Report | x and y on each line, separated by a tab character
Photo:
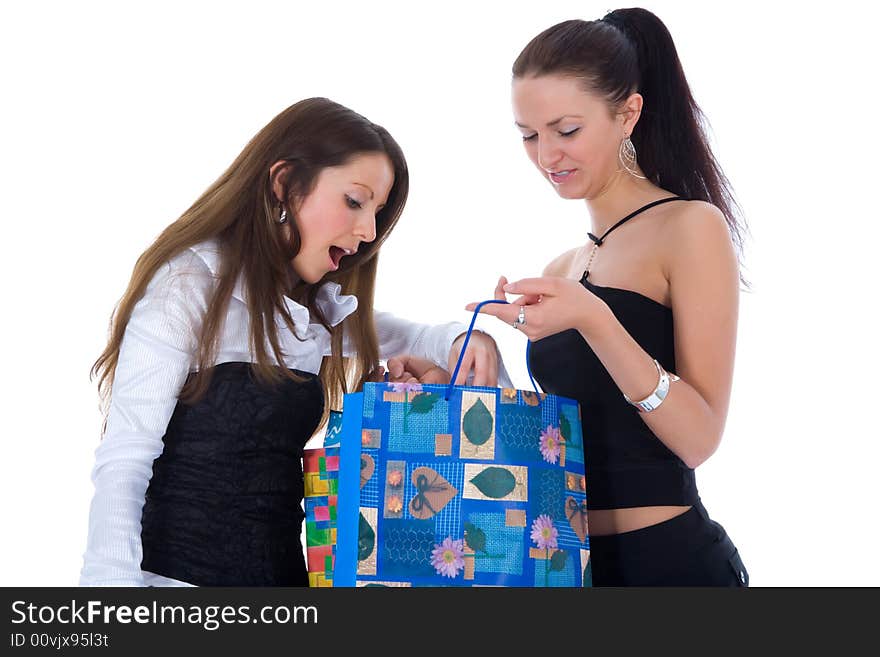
223	507
626	464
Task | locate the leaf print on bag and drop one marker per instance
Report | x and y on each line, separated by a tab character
494	482
565	428
477	425
587	577
475	539
366	539
557	561
572	438
368	543
508	483
424	402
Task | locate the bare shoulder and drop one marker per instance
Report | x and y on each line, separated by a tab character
696	230
695	220
561	265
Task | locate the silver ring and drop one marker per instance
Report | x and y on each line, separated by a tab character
522	316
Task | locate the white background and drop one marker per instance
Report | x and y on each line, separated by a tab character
115	117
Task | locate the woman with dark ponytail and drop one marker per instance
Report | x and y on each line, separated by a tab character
639	322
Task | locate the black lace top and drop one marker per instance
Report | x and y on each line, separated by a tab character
223	507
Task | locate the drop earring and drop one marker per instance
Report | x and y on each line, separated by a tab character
627	156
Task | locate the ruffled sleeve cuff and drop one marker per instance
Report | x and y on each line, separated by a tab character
335	306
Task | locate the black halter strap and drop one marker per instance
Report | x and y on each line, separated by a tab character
598	240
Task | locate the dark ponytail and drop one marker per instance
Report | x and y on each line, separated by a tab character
628	51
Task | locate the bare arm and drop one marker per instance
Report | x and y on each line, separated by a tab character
701	266
704	287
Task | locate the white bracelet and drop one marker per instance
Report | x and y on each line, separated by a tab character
652	401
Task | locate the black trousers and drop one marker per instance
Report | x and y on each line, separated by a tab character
688	550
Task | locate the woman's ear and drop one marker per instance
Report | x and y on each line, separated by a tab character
276	176
631	110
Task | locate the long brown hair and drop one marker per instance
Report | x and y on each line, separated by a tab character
628	51
239	211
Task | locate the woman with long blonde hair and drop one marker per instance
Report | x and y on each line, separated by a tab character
242	325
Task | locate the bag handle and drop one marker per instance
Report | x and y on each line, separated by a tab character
467	338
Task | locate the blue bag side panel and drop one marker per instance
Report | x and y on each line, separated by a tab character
348	500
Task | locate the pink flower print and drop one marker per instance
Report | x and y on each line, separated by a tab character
447	558
551	444
406	387
544	533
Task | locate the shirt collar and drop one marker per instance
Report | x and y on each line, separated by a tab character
335	306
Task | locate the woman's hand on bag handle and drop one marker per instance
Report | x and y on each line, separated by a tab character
550	304
410	369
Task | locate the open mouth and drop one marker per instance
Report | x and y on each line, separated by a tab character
561	176
336	254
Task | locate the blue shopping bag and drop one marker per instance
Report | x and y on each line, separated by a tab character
442	485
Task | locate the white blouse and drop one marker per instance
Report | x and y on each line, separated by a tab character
158	352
